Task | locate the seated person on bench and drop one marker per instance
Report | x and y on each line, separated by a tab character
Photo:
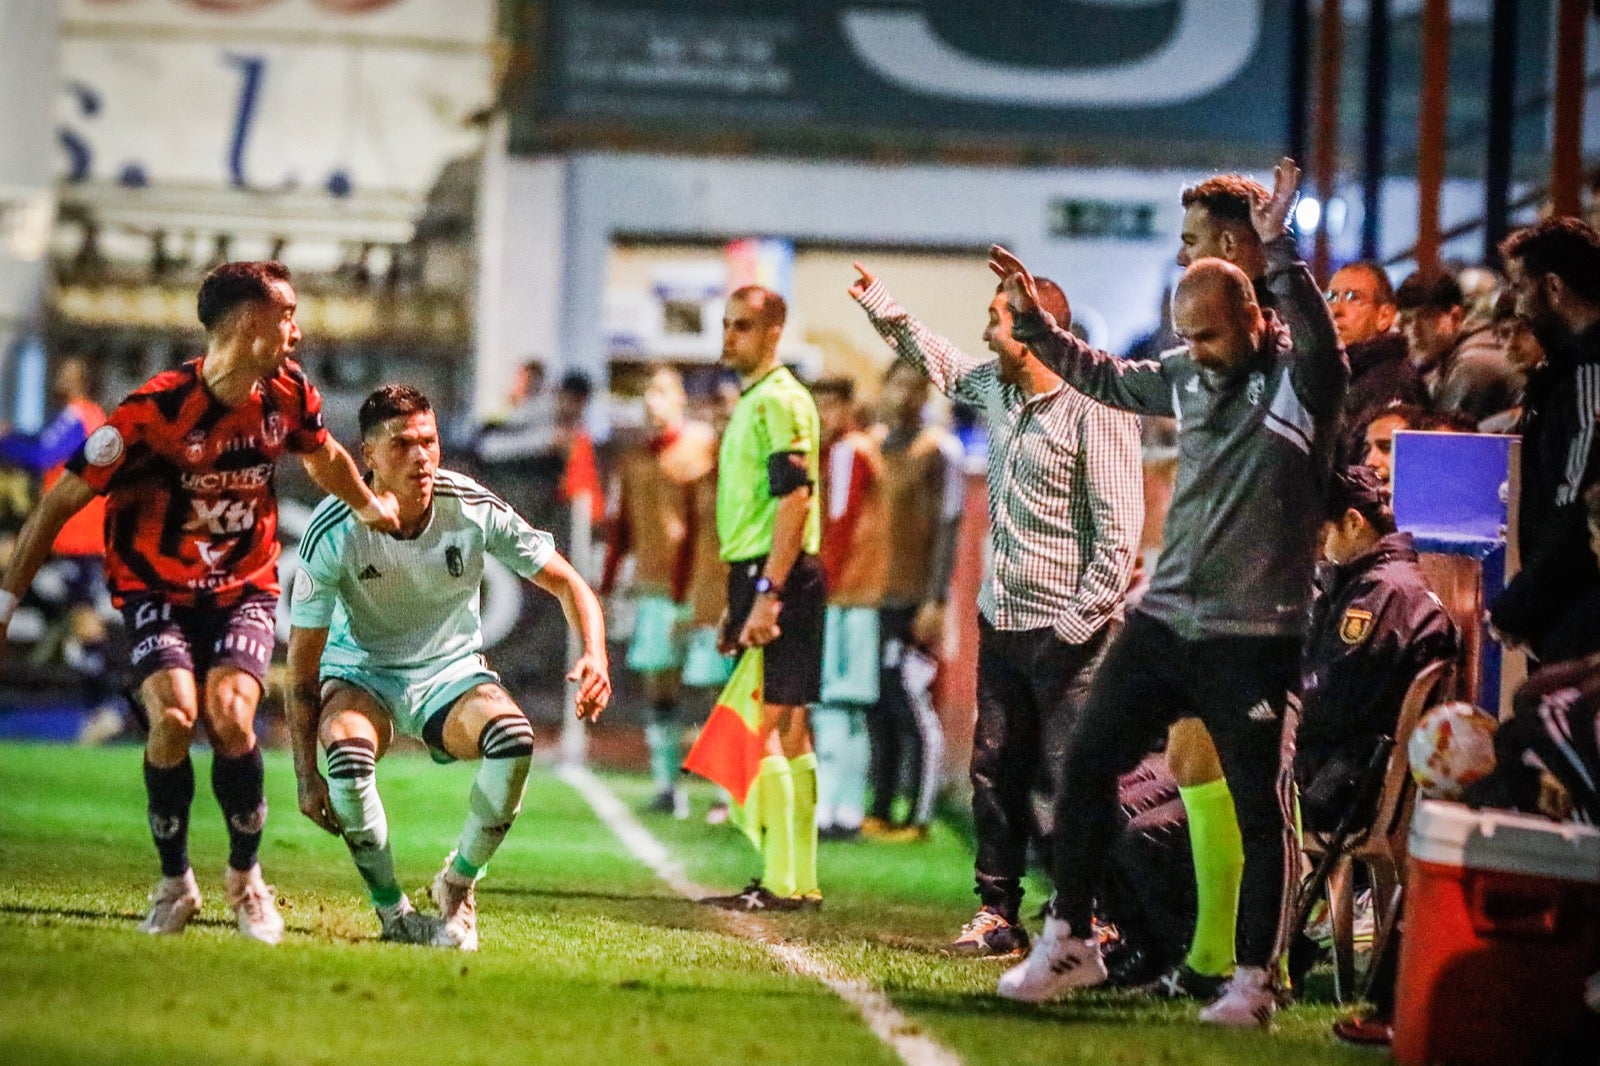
1374	625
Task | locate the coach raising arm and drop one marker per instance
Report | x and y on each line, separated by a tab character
1218	635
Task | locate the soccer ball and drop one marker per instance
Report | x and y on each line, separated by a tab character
1452	746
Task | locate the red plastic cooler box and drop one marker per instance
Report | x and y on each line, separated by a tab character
1502	929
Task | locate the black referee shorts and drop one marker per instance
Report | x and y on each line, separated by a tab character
793	664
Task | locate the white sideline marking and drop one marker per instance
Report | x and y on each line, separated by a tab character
897	1031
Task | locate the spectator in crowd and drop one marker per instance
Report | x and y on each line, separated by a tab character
1464	370
1374	625
1525	353
1361	299
924	480
1065	510
855	561
1377	441
652	525
1218	635
1554	267
78	553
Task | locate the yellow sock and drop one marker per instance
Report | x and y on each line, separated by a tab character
776	782
804	772
1218	868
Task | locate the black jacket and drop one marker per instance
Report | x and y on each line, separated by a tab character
1560	459
1380	373
1374	625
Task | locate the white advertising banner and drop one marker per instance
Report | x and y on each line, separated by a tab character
346	97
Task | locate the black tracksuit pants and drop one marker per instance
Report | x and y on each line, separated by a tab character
1245	691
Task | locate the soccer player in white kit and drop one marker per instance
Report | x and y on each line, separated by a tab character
386	637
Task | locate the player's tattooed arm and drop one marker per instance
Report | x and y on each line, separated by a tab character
331	467
592	672
305	714
66	498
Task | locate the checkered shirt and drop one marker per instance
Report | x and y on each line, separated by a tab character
1066	488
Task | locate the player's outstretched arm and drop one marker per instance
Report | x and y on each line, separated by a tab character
305	715
66	498
331	467
591	672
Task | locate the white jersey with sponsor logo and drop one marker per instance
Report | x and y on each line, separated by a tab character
392	604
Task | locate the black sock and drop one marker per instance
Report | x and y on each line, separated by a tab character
239	784
170	791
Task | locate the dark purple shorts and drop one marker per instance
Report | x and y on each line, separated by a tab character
167	636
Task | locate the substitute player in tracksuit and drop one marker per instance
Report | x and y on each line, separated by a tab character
1218	635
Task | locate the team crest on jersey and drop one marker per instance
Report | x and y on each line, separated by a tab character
273	432
103	447
194	444
1355	626
1255	387
452	561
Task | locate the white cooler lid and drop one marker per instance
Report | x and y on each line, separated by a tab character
1452	834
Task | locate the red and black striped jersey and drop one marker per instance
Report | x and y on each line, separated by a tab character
191	512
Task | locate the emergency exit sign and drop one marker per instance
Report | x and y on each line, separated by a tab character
1102	219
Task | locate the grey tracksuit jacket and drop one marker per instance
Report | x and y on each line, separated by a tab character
1254	456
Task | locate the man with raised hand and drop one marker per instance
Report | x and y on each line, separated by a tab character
186	466
1218	635
386	638
1066	503
769	521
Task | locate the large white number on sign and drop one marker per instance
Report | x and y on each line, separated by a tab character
1210	43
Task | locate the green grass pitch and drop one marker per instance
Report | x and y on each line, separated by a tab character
586	958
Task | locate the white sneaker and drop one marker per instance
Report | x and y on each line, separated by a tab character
680	802
1248	1000
254	905
1058	963
404	924
458	908
173	903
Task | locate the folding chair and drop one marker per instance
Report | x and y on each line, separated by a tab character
1378	842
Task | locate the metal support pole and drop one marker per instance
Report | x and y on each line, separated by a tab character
1430	128
1566	163
1502	127
1325	151
1375	132
1299	76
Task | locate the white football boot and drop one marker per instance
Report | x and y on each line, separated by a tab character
1248	1000
1058	963
173	904
254	905
458	906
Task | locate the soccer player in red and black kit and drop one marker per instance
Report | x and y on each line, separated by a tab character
186	466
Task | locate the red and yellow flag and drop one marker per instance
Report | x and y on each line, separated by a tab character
728	750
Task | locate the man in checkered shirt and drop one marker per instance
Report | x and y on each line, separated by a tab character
1066	503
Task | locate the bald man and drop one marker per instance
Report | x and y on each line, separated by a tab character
1218	634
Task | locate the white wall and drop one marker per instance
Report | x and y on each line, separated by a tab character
561	214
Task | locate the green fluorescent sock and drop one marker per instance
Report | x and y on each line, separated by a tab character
1218	868
804	771
776	782
666	753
